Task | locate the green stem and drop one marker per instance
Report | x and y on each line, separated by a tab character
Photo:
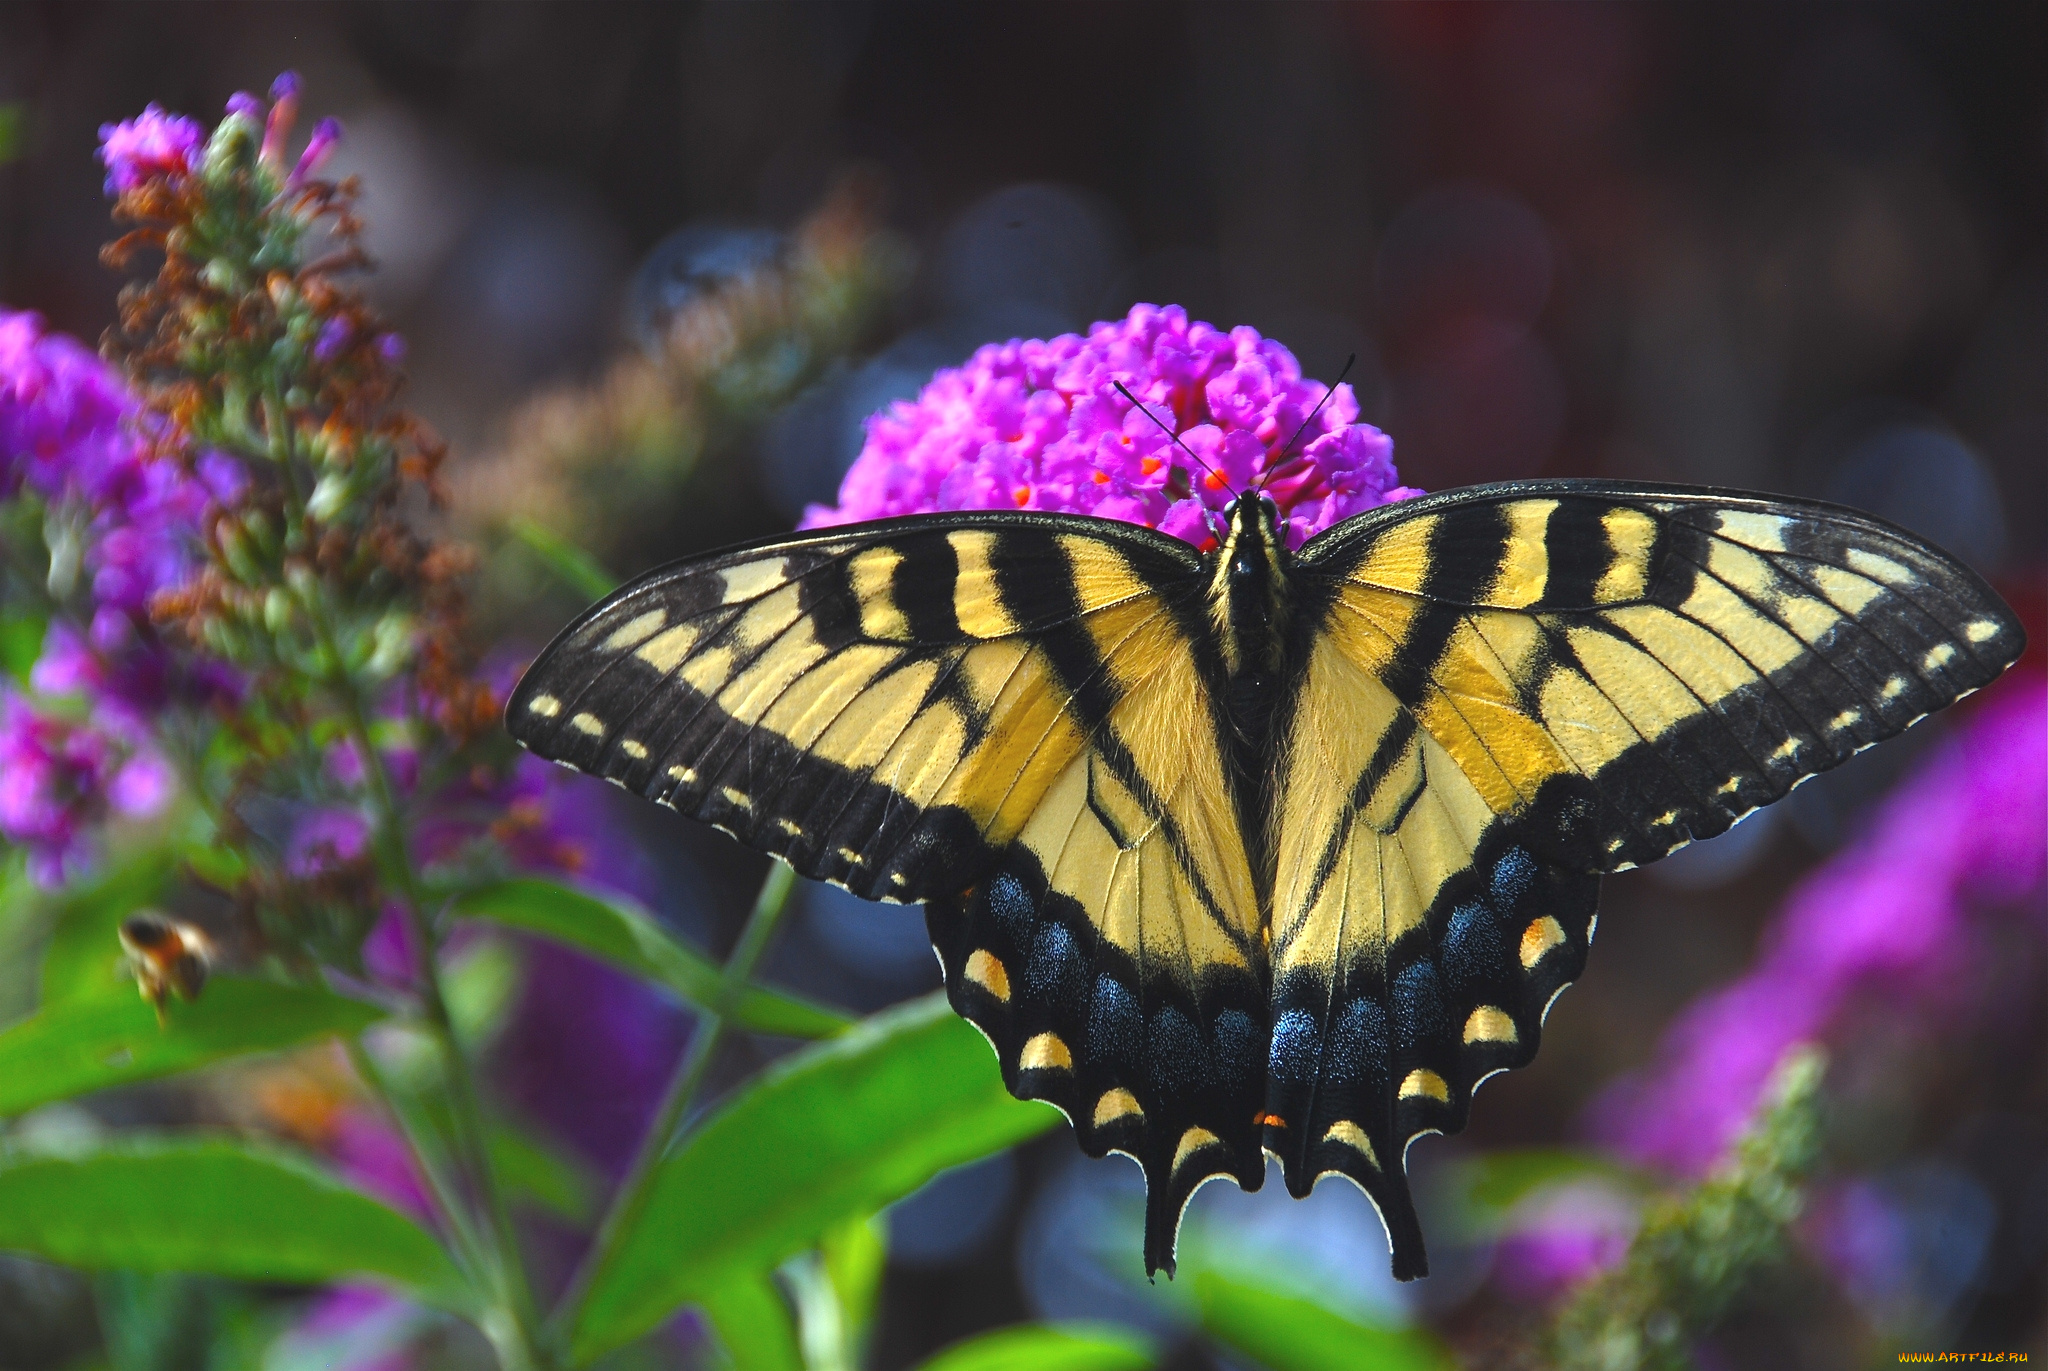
526	1346
662	1135
419	1136
518	1336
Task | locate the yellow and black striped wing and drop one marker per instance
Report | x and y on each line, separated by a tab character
1011	717
1511	689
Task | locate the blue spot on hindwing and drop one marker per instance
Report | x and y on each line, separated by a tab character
1293	1054
1474	947
1055	970
1237	1047
1512	875
1116	1030
1011	903
1356	1053
1418	1004
1176	1054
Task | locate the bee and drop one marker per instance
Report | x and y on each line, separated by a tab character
166	955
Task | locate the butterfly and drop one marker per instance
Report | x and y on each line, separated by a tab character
1255	851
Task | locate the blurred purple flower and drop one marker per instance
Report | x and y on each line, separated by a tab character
1560	1236
151	144
284	112
371	1153
1032	424
334	336
62	412
72	432
351	1328
326	134
324	840
1902	912
59	779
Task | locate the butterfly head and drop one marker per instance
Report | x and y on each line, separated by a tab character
1250	522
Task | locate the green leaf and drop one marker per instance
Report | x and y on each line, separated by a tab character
530	1168
619	932
90	1044
1485	1187
838	1129
1049	1347
83	957
216	1207
21	639
855	1252
1287	1333
577	569
753	1324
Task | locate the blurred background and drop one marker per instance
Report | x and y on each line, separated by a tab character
656	263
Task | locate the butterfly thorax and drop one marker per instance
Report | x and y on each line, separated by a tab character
1248	591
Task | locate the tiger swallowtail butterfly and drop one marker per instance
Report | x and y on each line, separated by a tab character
1264	851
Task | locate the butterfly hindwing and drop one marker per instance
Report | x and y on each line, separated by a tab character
1114	956
1504	691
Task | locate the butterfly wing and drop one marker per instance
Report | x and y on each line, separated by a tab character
1011	717
1512	689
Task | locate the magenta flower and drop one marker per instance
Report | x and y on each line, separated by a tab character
63	412
59	780
1907	913
335	335
324	840
325	135
71	432
151	144
1561	1236
1038	424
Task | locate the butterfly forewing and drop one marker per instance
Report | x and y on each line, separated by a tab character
1508	690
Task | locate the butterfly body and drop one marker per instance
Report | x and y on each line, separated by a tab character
1264	851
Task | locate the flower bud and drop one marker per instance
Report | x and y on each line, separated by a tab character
393	644
277	609
328	497
237	553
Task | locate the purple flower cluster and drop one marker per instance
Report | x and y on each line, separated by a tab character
1038	424
72	433
1905	914
151	144
58	779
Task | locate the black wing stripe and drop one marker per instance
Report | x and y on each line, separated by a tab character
1686	756
1814	729
1660	796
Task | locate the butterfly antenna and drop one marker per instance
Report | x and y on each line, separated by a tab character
1124	391
1274	465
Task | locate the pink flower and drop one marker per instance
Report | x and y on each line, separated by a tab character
326	134
326	839
1039	424
59	779
1562	1235
71	431
1905	912
151	144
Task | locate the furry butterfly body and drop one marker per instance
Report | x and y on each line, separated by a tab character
1259	852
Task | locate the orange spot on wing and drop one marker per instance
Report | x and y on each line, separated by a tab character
1269	1120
